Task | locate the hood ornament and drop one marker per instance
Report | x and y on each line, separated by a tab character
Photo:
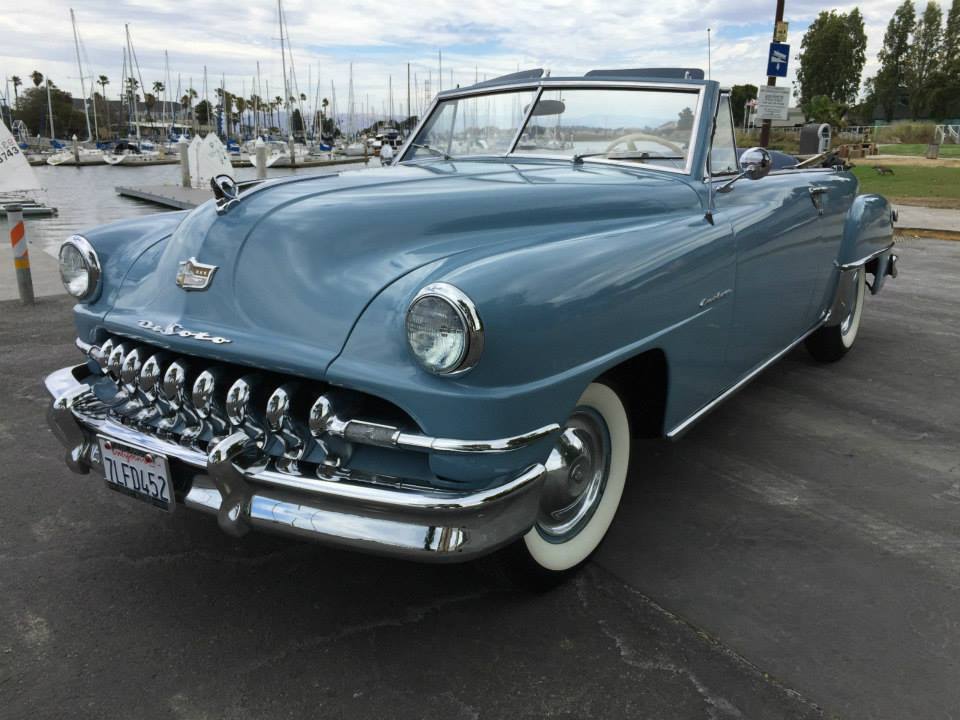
195	275
226	192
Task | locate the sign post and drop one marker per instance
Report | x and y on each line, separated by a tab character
21	257
779	34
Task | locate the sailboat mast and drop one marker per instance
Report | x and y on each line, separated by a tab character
133	91
83	85
166	92
256	102
283	62
53	135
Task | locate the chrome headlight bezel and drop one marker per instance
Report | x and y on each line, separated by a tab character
466	311
91	264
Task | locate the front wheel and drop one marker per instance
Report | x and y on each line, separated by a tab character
586	473
832	342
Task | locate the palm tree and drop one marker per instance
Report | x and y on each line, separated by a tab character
158	88
149	99
241	107
17	82
37	78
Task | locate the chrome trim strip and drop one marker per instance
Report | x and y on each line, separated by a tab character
680	429
844	267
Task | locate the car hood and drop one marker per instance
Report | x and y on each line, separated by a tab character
298	260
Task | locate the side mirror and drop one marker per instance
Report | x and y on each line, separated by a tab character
755	163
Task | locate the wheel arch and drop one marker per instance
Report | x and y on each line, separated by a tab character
642	382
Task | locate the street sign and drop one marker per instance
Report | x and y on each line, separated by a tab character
773	103
780	32
777	60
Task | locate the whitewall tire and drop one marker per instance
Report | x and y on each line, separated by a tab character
586	474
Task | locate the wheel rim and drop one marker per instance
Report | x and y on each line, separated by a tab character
577	471
852	304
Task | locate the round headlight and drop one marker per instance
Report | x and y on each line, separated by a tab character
444	330
79	268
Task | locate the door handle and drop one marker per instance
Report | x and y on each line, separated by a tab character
816	193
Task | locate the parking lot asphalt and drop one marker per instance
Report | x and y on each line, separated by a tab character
797	554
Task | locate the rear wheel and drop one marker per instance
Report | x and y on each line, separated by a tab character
832	342
586	473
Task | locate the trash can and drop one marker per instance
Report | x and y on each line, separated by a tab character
814	138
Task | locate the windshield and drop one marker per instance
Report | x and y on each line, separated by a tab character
644	125
474	125
640	125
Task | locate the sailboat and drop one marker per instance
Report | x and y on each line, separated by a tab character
84	154
17	179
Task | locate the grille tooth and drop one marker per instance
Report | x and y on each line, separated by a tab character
102	356
285	427
151	375
244	398
115	363
130	369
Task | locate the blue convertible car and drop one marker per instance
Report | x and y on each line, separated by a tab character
450	356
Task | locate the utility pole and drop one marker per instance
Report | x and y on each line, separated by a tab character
771	80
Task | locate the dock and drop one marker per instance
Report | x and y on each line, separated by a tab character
170	196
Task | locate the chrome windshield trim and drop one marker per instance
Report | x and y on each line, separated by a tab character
548	83
844	267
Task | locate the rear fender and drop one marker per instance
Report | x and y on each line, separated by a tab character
868	237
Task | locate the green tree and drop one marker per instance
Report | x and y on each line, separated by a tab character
833	53
37	78
823	109
945	98
17	82
923	66
951	41
203	112
32	109
892	76
739	96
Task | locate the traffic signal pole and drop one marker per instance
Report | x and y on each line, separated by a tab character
771	80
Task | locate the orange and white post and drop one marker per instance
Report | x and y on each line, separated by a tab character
21	258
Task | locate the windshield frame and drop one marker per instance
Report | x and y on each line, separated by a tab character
566	84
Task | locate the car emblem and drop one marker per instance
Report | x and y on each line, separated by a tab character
194	275
180	331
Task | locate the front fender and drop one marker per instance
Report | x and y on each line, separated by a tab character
118	246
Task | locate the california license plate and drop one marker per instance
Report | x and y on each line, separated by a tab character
136	472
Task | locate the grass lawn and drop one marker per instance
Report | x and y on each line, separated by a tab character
912	185
946	151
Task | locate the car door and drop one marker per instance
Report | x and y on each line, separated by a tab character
777	230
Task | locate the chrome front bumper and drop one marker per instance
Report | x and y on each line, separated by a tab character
247	492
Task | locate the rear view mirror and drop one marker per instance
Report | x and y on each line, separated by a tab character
547	107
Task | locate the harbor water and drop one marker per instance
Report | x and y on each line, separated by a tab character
86	196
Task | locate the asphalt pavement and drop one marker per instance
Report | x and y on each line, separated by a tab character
796	555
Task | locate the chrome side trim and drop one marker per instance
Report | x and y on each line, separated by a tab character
680	429
845	267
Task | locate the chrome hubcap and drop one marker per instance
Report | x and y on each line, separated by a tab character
577	472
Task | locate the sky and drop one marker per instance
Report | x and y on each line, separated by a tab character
477	39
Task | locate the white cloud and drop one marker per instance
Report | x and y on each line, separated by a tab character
490	37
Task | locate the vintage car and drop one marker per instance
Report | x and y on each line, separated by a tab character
450	356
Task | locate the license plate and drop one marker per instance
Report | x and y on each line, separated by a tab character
136	472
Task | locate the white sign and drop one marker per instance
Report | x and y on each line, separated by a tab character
773	103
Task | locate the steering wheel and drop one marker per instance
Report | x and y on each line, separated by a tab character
631	143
